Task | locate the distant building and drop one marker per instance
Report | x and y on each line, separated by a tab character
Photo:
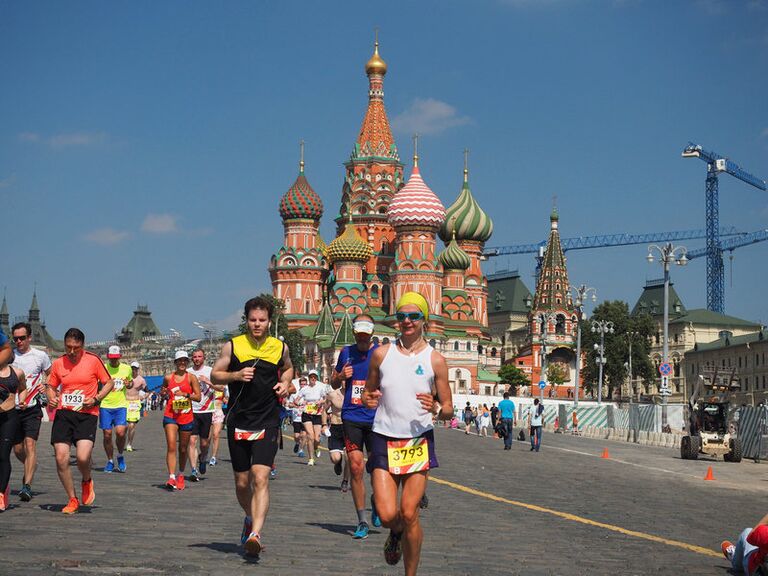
509	304
140	327
40	336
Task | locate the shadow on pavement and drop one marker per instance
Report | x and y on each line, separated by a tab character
227	548
329	488
345	529
59	507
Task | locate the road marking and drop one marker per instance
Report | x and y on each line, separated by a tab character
580	519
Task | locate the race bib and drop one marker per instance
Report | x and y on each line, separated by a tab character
407	456
134	406
181	404
119	384
312	408
357	392
250	435
73	401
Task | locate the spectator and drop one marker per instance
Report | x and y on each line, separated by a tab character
535	422
494	415
484	420
507	413
467	416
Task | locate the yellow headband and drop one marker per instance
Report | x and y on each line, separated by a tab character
416	299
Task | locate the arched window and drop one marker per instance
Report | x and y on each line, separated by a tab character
456	345
385	297
306	307
493	352
385	341
375	339
432	342
469	346
384	246
374	292
479	348
560	324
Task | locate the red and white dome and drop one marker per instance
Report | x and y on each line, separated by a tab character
416	205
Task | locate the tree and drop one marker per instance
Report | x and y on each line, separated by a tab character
513	377
279	328
637	329
556	374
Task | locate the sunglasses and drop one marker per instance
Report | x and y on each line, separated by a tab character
19	338
412	316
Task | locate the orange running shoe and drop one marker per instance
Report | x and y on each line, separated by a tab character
89	494
180	482
3	502
72	507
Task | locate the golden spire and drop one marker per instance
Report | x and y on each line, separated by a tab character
376	65
301	156
466	165
415	150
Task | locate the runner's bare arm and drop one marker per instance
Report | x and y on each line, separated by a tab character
220	373
440	401
22	390
195	384
372	392
106	388
5	353
284	385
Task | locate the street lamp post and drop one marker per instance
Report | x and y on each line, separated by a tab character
545	318
667	254
603	327
580	294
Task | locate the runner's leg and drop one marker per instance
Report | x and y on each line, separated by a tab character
108	448
171	435
83	452
184	442
385	495
61	451
413	489
259	505
310	433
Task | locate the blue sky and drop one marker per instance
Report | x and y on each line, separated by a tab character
144	146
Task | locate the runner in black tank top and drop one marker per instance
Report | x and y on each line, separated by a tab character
12	382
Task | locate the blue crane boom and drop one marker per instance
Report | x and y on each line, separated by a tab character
603	241
717	163
732	243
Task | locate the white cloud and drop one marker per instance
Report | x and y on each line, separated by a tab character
764	133
232	321
428	116
106	236
159	224
73	139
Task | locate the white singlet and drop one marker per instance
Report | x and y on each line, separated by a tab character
400	414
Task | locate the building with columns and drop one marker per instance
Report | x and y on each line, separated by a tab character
386	244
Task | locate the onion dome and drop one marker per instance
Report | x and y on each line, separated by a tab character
466	217
415	204
453	257
376	65
301	201
349	246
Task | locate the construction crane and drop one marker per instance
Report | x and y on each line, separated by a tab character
717	163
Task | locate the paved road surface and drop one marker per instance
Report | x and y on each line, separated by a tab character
561	511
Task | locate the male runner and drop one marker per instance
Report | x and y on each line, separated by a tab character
113	412
73	388
134	395
296	405
203	415
36	365
250	364
217	425
352	369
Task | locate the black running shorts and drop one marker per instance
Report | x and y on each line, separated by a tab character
247	453
357	435
201	424
69	427
29	423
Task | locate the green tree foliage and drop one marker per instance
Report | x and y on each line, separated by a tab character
638	329
279	327
513	377
556	374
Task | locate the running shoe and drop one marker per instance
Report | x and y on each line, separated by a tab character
89	494
129	448
337	468
728	549
25	493
253	544
202	465
247	523
213	461
171	484
311	462
109	467
3	502
301	454
361	532
393	550
273	473
317	452
375	519
345	486
195	476
121	464
295	448
424	502
71	507
180	482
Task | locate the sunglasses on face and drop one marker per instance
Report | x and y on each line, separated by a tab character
19	338
412	316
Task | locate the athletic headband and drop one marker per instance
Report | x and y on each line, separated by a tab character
363	326
417	299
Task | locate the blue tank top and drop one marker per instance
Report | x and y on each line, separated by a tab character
353	409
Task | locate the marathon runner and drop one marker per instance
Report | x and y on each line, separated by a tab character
203	415
221	397
73	390
313	396
113	412
37	366
296	405
352	370
135	396
180	389
334	402
12	382
6	352
249	364
404	380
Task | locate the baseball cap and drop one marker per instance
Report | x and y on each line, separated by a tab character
180	354
311	372
135	365
114	352
363	327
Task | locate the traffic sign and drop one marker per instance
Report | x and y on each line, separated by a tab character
665	369
542	384
664	388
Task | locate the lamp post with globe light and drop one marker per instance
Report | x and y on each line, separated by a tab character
579	296
602	327
667	255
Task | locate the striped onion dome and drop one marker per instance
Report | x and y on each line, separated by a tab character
301	201
453	257
349	247
466	217
415	204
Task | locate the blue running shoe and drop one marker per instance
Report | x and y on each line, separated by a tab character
247	523
362	531
203	465
273	473
301	454
375	520
121	464
109	467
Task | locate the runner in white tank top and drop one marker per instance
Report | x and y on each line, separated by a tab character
405	381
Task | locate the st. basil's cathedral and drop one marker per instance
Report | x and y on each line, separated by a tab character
386	245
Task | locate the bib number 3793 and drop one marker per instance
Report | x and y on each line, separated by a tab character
407	456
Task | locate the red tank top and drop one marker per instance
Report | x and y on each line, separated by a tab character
179	406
